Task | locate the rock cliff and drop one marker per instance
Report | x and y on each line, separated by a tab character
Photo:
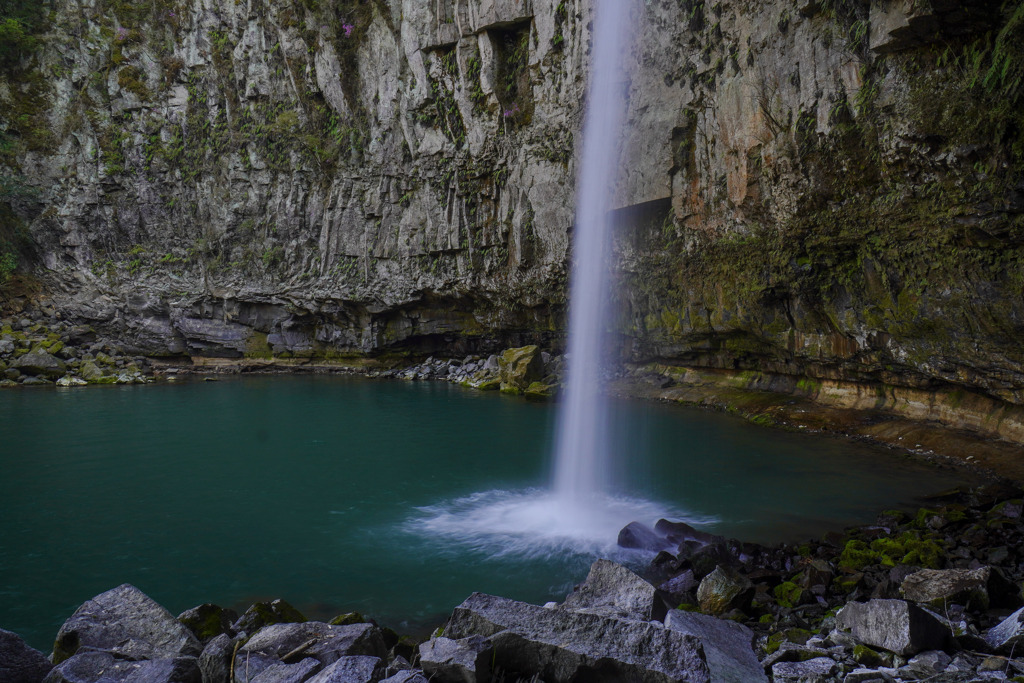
825	191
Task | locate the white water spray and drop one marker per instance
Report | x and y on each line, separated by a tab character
582	457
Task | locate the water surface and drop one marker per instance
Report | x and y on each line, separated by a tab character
394	499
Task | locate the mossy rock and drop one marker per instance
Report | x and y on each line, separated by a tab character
788	594
265	613
347	619
865	656
538	391
488	385
208	621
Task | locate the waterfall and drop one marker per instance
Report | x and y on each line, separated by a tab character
582	447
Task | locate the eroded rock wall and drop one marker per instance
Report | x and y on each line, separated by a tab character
827	189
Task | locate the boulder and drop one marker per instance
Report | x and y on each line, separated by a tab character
215	660
1008	635
518	368
727	645
207	621
325	643
723	590
126	622
677	532
69	381
20	663
264	613
406	677
812	671
704	559
285	673
561	645
467	660
358	669
105	667
39	362
939	588
641	537
895	625
612	590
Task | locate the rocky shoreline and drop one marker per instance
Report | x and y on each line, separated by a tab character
935	595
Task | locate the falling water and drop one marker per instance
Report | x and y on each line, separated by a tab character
580	514
582	457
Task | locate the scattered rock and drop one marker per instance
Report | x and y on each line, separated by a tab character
215	660
40	362
940	587
1008	635
105	667
128	623
519	368
466	660
723	590
895	625
356	669
811	671
264	613
20	663
291	642
207	621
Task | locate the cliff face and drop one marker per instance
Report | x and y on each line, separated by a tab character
829	190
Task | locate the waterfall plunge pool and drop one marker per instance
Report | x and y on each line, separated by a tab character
389	498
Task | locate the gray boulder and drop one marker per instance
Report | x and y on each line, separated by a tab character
127	622
93	667
727	645
406	677
641	537
679	587
612	590
288	673
39	362
323	642
812	671
561	645
467	660
352	670
215	660
20	663
677	532
1008	635
940	587
895	625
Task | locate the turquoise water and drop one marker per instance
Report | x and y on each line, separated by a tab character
341	494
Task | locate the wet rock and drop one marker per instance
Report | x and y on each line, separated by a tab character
928	664
356	669
560	645
723	590
895	625
641	537
208	620
126	622
811	671
677	532
1008	635
519	368
703	560
35	382
940	587
68	381
325	643
612	590
93	667
466	660
727	645
215	659
39	362
20	663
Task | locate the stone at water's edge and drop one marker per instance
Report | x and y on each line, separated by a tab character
519	368
20	663
208	621
895	625
611	590
466	660
39	362
641	537
321	641
128	623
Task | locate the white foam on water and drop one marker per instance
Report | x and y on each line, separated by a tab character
537	523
